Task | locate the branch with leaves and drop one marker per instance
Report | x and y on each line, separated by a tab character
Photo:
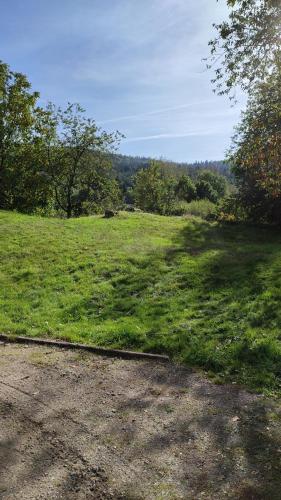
248	45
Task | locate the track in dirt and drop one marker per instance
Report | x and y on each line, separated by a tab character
78	426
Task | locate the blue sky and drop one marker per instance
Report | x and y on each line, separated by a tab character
134	65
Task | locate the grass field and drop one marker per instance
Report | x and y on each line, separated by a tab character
208	295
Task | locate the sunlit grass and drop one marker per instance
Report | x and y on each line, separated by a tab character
208	295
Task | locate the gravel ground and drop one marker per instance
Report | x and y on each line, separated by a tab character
78	426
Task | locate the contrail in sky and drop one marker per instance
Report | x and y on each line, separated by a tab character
171	136
155	112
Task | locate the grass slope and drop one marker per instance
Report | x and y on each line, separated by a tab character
206	294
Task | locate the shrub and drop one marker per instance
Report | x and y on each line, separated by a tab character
154	192
180	208
205	191
210	186
215	180
200	208
230	210
185	189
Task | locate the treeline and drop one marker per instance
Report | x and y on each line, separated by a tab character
57	161
158	189
127	166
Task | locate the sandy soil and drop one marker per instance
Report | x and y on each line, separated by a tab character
78	426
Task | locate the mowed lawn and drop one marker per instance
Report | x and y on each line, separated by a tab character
208	295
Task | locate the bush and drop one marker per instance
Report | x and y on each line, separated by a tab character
230	210
210	186
206	191
185	189
216	181
180	208
200	208
154	192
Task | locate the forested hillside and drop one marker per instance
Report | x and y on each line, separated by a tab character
127	166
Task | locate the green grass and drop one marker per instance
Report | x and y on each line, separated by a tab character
208	295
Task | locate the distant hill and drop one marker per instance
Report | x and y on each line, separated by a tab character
127	166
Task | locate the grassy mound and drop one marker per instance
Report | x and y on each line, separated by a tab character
206	294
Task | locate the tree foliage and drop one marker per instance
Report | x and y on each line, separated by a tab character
210	186
72	146
153	191
248	44
256	152
18	113
216	182
247	52
205	191
185	189
51	158
157	190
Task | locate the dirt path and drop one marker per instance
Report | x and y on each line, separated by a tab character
78	426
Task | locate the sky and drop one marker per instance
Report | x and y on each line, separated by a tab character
134	65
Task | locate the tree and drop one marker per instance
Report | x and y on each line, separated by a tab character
247	52
153	190
248	45
100	190
256	152
17	120
71	144
168	195
147	189
27	190
185	189
216	181
205	191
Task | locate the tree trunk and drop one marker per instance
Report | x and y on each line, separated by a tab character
69	211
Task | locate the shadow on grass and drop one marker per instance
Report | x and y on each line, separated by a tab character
237	328
211	299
